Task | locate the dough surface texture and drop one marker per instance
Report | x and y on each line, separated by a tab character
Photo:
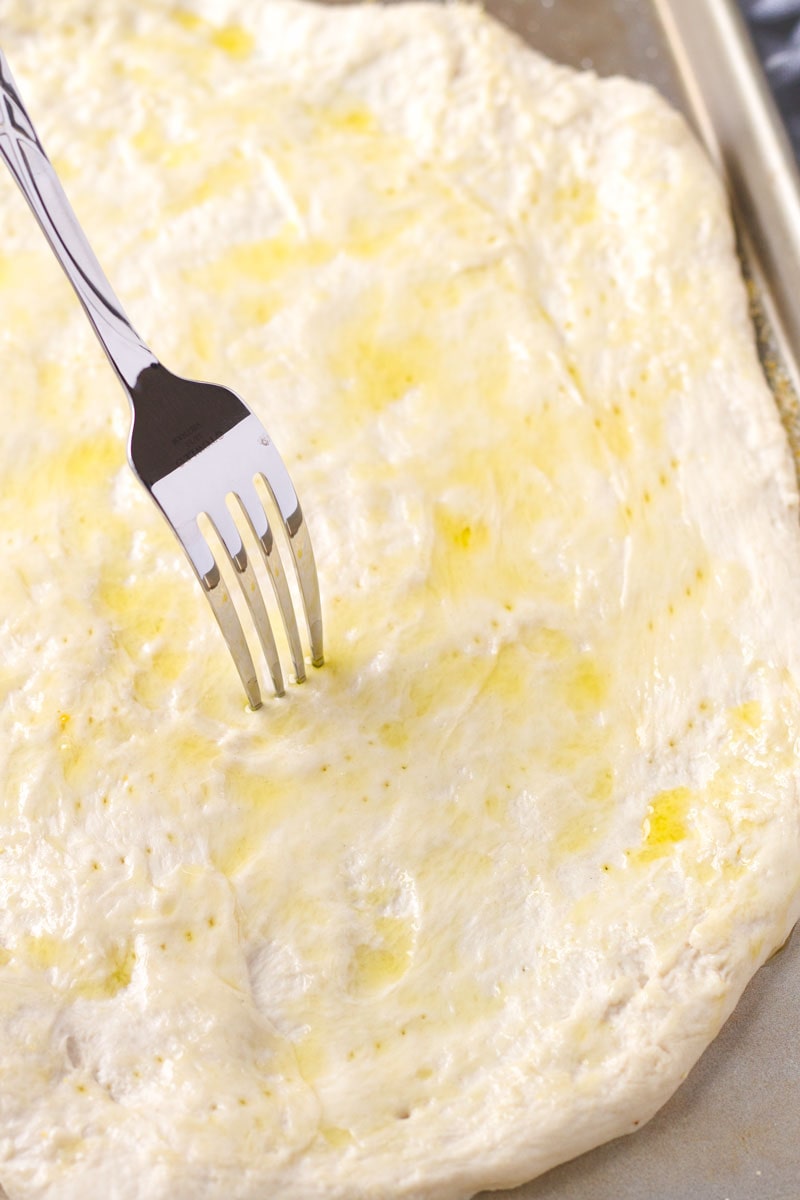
475	897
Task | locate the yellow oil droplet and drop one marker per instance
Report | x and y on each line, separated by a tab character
378	370
267	260
461	532
121	963
221	179
347	118
336	1137
586	685
168	665
394	734
90	462
747	717
201	334
666	823
496	807
45	952
460	541
233	40
186	19
378	965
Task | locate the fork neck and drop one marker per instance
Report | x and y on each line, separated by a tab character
26	159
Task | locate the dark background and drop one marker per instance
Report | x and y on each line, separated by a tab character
775	27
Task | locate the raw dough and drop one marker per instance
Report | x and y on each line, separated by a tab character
475	897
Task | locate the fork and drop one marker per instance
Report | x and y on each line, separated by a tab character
192	445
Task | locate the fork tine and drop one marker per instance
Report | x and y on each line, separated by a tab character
280	487
205	568
231	628
259	523
230	537
306	568
258	611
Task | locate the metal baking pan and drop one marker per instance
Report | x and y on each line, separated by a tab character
732	1130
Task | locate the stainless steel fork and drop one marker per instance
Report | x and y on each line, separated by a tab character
192	444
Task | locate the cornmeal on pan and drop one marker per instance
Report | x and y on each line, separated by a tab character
476	897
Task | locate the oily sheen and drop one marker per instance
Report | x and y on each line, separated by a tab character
475	897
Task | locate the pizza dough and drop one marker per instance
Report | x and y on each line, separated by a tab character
475	897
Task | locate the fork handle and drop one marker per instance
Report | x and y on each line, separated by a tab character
33	171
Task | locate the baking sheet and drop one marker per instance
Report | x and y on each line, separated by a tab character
732	1130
